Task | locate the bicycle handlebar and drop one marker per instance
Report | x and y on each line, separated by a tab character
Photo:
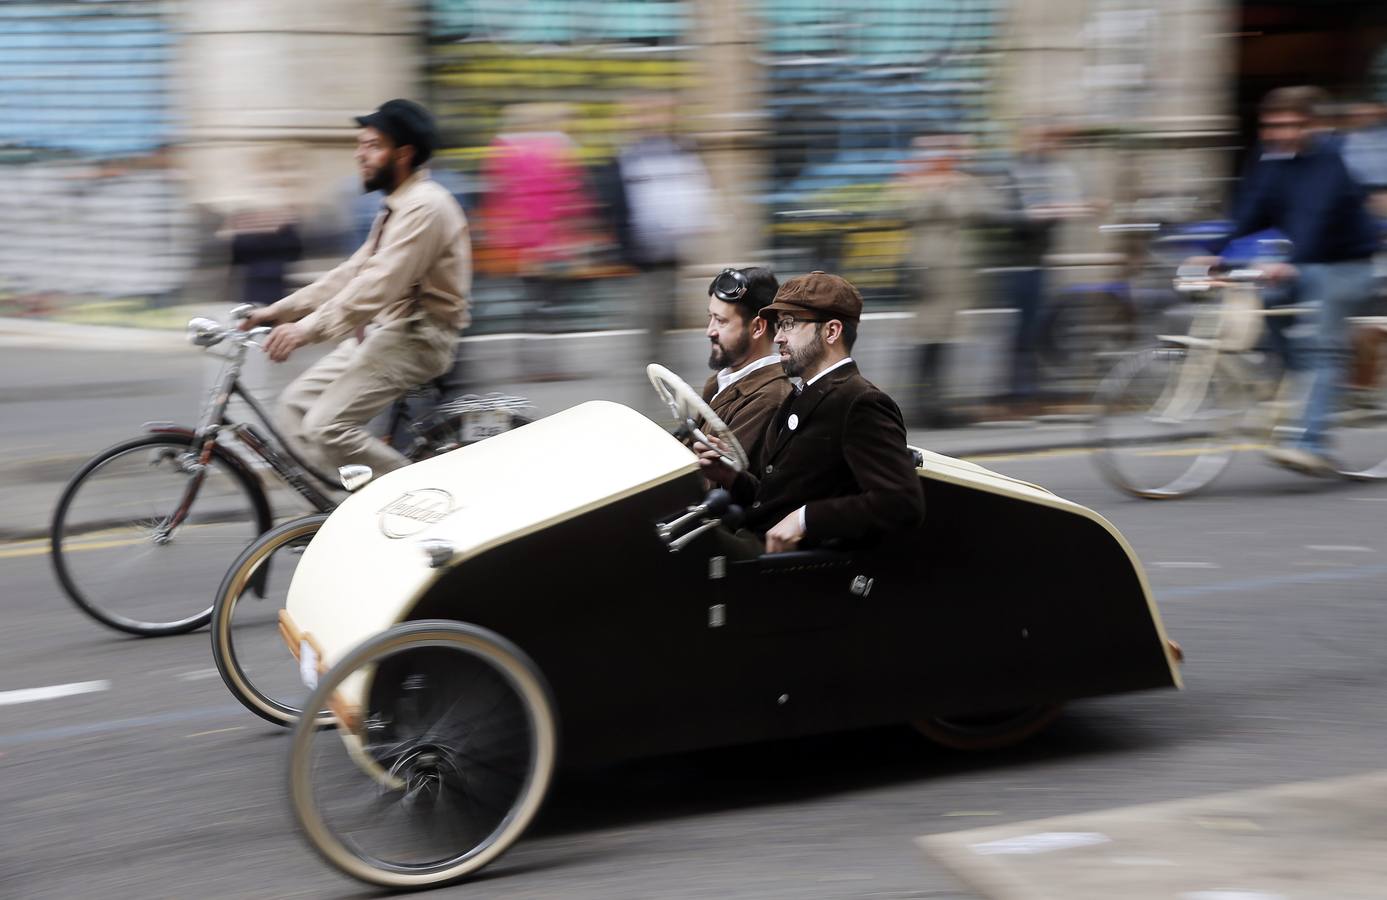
205	332
1196	279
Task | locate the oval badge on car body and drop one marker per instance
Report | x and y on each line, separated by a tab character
413	511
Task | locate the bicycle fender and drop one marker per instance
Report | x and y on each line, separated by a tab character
261	500
167	428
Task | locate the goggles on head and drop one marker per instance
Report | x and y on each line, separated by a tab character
729	286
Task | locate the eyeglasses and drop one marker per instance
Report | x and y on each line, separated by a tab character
787	323
730	286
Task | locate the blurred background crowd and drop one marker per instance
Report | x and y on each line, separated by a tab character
1010	184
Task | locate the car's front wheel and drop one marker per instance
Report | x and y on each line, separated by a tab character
445	744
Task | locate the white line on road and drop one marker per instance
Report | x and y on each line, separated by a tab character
198	674
52	692
1185	565
1338	548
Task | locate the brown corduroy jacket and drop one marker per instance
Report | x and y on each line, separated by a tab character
749	403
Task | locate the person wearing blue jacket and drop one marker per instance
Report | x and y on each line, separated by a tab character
1301	186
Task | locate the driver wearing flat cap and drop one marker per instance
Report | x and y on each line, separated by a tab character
398	302
833	466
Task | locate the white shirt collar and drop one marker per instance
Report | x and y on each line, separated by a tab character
727	377
839	364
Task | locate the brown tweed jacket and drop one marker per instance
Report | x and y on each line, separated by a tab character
749	404
845	460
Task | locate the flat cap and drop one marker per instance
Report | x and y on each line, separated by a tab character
820	295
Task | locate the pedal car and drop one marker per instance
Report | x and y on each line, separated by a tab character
559	594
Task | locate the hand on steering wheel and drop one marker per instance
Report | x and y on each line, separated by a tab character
698	417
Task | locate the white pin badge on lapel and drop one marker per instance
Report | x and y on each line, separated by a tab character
793	421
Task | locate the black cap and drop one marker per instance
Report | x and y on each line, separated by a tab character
405	122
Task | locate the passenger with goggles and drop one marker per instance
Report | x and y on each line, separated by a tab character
748	384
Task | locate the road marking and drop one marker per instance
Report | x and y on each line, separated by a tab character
1004	456
1246	585
43	546
52	692
216	731
967	813
88	729
1338	548
197	674
1192	564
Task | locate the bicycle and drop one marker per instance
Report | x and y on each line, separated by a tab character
1170	418
139	517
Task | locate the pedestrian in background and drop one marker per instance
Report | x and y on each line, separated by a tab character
944	206
1039	193
536	217
656	195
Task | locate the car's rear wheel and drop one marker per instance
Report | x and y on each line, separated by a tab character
990	731
445	746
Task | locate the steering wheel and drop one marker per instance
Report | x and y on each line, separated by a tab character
689	410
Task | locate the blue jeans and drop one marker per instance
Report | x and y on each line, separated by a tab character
1340	290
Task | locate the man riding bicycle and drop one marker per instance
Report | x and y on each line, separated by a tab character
399	301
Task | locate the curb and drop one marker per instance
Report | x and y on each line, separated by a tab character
44	333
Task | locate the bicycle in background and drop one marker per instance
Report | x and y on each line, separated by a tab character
1170	418
143	515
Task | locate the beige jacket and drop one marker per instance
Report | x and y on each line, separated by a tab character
419	254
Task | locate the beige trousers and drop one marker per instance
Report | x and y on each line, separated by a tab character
325	410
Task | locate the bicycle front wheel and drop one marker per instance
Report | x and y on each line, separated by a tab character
1166	422
141	526
247	646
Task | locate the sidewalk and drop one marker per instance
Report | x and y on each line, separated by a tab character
34	475
1322	840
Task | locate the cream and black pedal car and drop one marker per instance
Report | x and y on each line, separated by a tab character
558	595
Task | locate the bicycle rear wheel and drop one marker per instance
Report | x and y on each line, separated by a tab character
1359	432
116	550
250	654
1166	422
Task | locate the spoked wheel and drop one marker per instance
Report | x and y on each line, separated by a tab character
143	521
444	750
992	731
250	653
1167	422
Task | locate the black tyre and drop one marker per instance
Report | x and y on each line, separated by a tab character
250	653
1359	425
114	551
987	732
1166	423
444	750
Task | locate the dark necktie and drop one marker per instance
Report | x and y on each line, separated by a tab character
385	212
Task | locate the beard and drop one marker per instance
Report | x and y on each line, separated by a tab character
721	356
801	359
382	179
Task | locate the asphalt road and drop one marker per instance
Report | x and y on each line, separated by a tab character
154	783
